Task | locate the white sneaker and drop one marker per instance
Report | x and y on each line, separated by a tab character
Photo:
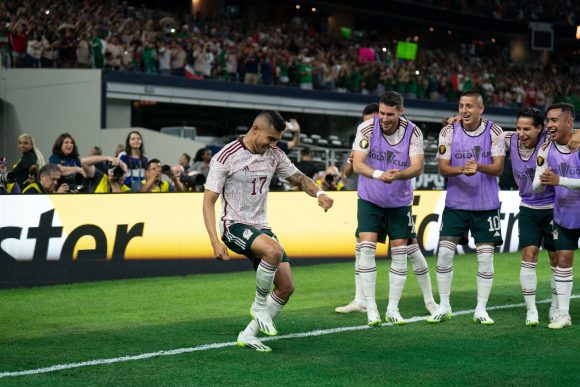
252	342
560	322
532	319
481	317
395	317
374	318
265	323
431	307
353	306
553	313
441	314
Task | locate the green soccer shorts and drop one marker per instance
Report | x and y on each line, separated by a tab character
397	223
535	228
484	225
239	238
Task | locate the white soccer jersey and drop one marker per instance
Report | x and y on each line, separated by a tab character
497	139
365	130
243	179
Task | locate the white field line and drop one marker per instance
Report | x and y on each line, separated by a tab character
206	347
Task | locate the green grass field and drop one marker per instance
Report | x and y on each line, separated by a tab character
70	324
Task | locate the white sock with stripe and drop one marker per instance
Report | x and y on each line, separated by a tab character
529	282
563	278
445	271
264	278
484	274
555	304
368	272
421	270
358	295
397	276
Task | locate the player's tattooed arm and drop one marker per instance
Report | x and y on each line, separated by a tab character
305	183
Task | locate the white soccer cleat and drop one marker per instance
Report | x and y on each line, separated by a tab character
532	319
353	306
374	318
264	321
252	342
481	317
431	307
395	317
560	322
440	315
553	313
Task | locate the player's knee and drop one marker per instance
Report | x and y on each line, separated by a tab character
273	254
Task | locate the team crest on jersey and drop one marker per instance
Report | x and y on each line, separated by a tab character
364	143
247	234
541	161
442	149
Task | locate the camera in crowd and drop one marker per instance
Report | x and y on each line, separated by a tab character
7	177
166	169
118	172
192	179
75	181
329	179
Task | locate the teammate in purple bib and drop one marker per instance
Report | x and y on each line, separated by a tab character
471	155
559	166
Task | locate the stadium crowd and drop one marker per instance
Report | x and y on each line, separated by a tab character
118	37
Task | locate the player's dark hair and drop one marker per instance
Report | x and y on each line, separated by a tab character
371	108
566	107
392	98
275	119
535	114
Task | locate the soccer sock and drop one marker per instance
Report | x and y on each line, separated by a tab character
564	288
274	306
555	304
264	279
358	295
445	271
529	281
368	272
421	270
397	276
484	274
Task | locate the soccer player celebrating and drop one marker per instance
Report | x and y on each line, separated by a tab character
536	209
471	155
388	153
558	166
241	173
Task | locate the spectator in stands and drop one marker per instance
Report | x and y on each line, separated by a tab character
48	182
67	49
178	59
294	127
66	155
118	149
30	161
109	181
252	68
201	161
305	165
185	161
7	188
101	166
153	179
135	158
18	42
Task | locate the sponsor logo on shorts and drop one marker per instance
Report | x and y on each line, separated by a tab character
247	234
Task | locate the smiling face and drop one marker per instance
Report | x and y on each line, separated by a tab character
559	125
389	117
262	137
24	144
67	146
135	141
528	134
470	110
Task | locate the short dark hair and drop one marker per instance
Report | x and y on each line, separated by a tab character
371	108
566	107
392	98
472	93
275	119
152	161
535	114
